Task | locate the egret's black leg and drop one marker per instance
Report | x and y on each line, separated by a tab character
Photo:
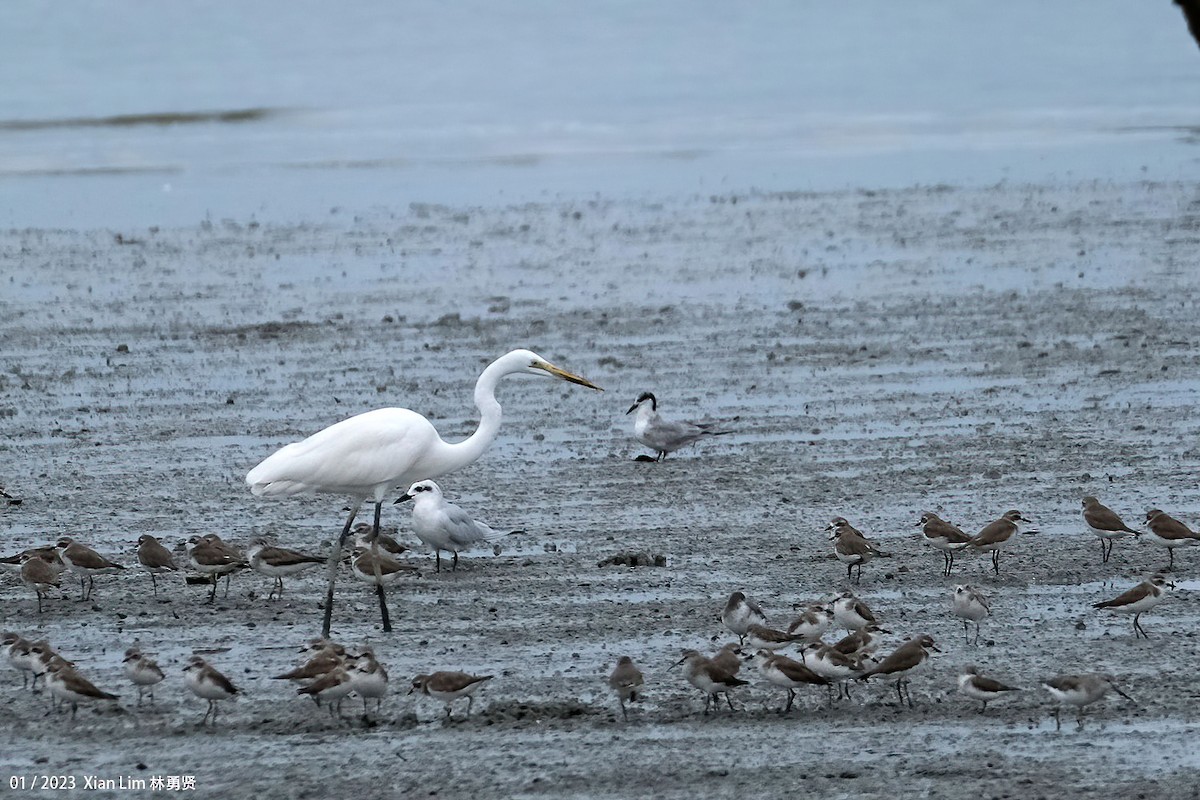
334	558
383	609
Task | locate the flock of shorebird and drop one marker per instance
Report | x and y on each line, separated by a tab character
332	673
439	525
365	456
853	657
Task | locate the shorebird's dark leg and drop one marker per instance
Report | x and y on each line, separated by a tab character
966	631
437	554
1137	627
729	700
1171	557
82	588
900	692
984	707
154	583
334	558
996	561
1057	718
39	594
212	595
947	562
624	713
454	563
228	578
791	699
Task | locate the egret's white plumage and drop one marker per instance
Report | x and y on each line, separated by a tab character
441	525
367	455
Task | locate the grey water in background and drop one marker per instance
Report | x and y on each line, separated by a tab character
147	113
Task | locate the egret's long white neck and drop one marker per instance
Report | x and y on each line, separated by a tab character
459	454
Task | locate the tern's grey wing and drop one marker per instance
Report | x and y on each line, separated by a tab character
463	529
670	435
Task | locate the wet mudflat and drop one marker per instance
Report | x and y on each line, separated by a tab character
879	354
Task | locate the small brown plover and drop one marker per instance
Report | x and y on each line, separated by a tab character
16	651
975	686
760	637
1079	691
207	683
740	613
851	547
729	657
379	569
210	556
779	670
832	665
943	536
709	678
329	657
1141	598
333	687
68	686
50	553
364	536
86	563
626	681
278	562
970	605
995	534
1168	532
812	623
864	641
143	672
449	686
851	613
39	574
1104	522
906	660
369	679
155	558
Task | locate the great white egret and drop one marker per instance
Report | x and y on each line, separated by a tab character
367	455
